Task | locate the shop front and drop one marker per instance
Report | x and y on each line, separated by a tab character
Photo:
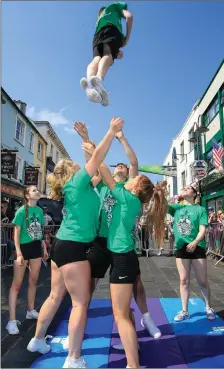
13	193
212	190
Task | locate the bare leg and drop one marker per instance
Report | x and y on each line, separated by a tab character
18	275
51	305
78	283
34	267
139	295
121	300
184	268
92	68
200	269
104	64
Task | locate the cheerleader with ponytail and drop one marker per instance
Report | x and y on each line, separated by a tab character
28	236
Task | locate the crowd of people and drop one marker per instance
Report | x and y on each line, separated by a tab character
89	243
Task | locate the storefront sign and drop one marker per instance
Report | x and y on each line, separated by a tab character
199	169
12	191
31	176
8	160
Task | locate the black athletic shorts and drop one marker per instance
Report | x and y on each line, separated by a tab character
198	253
107	41
31	250
124	268
65	252
100	257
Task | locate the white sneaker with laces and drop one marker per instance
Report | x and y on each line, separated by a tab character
32	314
92	94
38	345
120	347
12	327
74	363
65	343
97	83
210	313
150	326
182	315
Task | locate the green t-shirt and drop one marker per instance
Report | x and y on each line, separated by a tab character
123	222
112	15
107	202
35	221
187	221
81	209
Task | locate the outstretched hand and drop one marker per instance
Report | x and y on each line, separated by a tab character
82	130
119	135
89	147
116	125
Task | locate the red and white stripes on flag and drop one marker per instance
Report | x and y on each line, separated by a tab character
218	153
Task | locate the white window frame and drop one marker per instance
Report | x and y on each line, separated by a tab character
20	168
32	150
24	136
38	157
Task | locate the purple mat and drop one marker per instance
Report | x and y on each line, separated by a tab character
162	353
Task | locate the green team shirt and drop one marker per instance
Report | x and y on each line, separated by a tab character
112	15
107	202
122	227
35	221
81	209
187	221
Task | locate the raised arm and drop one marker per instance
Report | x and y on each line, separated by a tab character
133	171
102	149
82	131
129	21
106	176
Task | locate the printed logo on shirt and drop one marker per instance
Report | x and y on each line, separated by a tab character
35	229
108	204
184	225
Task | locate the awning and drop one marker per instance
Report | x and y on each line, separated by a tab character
12	188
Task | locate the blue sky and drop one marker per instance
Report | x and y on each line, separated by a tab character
174	51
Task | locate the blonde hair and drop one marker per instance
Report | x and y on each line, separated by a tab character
156	195
63	171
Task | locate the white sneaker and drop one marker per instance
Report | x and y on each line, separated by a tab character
150	326
182	315
121	347
160	252
38	345
210	313
65	343
97	83
12	327
92	94
32	314
74	363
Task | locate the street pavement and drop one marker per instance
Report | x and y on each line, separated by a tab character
160	279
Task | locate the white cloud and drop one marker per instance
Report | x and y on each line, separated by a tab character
54	118
70	130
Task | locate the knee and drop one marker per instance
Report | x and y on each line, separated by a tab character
32	281
203	284
15	286
119	315
56	297
184	282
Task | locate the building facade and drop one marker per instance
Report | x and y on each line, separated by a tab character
194	142
55	148
20	134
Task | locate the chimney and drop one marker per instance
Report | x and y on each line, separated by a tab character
21	105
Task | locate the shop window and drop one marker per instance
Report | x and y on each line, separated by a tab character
191	135
216	204
211	112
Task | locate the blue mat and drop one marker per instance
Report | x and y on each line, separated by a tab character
201	341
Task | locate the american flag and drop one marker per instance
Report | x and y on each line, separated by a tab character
218	153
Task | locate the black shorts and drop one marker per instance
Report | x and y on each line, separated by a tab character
65	252
31	250
107	41
198	253
100	257
124	268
